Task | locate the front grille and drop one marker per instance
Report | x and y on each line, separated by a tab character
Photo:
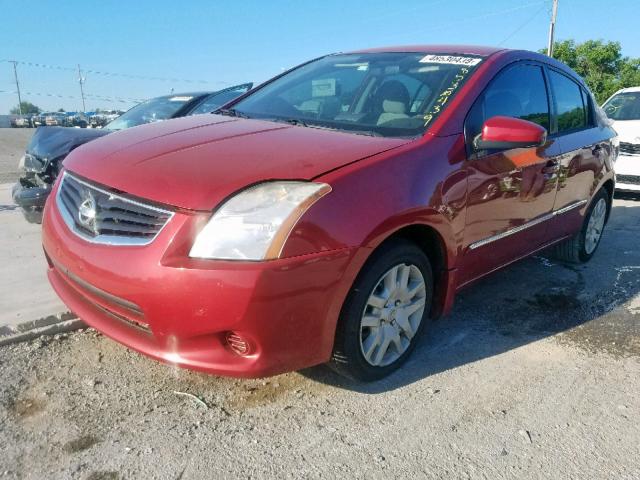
626	147
628	179
101	216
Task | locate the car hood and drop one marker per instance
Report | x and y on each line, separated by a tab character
51	143
196	162
628	130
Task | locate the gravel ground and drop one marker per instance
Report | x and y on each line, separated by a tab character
535	374
13	141
541	381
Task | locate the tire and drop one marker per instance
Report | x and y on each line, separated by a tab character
400	320
581	247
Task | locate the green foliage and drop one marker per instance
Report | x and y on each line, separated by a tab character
601	64
28	108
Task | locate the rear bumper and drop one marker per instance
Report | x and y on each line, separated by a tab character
179	311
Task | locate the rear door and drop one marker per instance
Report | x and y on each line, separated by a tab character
584	147
511	193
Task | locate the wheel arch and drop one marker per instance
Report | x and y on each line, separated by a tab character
609	186
433	242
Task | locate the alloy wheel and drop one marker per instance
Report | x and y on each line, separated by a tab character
392	315
595	226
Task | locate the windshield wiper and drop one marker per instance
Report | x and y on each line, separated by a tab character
368	133
231	112
297	122
301	123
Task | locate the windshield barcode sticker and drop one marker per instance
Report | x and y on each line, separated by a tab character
451	60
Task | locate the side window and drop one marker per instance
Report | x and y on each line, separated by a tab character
215	101
570	108
588	105
518	92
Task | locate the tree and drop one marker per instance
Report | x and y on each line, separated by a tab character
28	108
61	110
601	64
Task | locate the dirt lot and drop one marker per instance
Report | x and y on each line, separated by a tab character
12	144
536	374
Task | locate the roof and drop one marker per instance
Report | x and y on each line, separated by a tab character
629	89
186	94
444	49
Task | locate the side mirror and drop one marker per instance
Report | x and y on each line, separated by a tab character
507	132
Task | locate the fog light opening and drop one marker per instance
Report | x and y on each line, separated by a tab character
238	344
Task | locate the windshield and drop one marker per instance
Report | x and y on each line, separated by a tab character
385	94
623	106
153	110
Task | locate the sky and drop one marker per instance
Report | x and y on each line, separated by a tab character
139	49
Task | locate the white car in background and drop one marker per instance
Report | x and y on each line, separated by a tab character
623	108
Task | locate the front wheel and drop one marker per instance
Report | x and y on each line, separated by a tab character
581	247
384	313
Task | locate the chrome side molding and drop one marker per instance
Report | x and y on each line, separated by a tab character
524	226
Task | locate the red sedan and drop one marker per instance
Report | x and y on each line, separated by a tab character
330	214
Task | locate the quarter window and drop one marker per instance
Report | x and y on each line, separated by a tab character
517	92
570	108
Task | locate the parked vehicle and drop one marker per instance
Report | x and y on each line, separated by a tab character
53	119
102	118
623	108
332	212
49	146
21	121
75	119
38	119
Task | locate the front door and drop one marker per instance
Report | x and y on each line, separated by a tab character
511	193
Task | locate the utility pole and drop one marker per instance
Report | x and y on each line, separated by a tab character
15	74
81	80
552	28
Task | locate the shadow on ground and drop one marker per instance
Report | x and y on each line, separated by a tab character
594	306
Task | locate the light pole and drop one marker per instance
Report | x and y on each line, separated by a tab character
15	74
81	80
552	28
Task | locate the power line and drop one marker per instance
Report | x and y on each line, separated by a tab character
74	97
115	74
493	14
523	25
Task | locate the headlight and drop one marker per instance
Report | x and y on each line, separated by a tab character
21	163
255	223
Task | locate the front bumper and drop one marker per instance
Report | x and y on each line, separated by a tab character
30	196
627	169
159	302
31	199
